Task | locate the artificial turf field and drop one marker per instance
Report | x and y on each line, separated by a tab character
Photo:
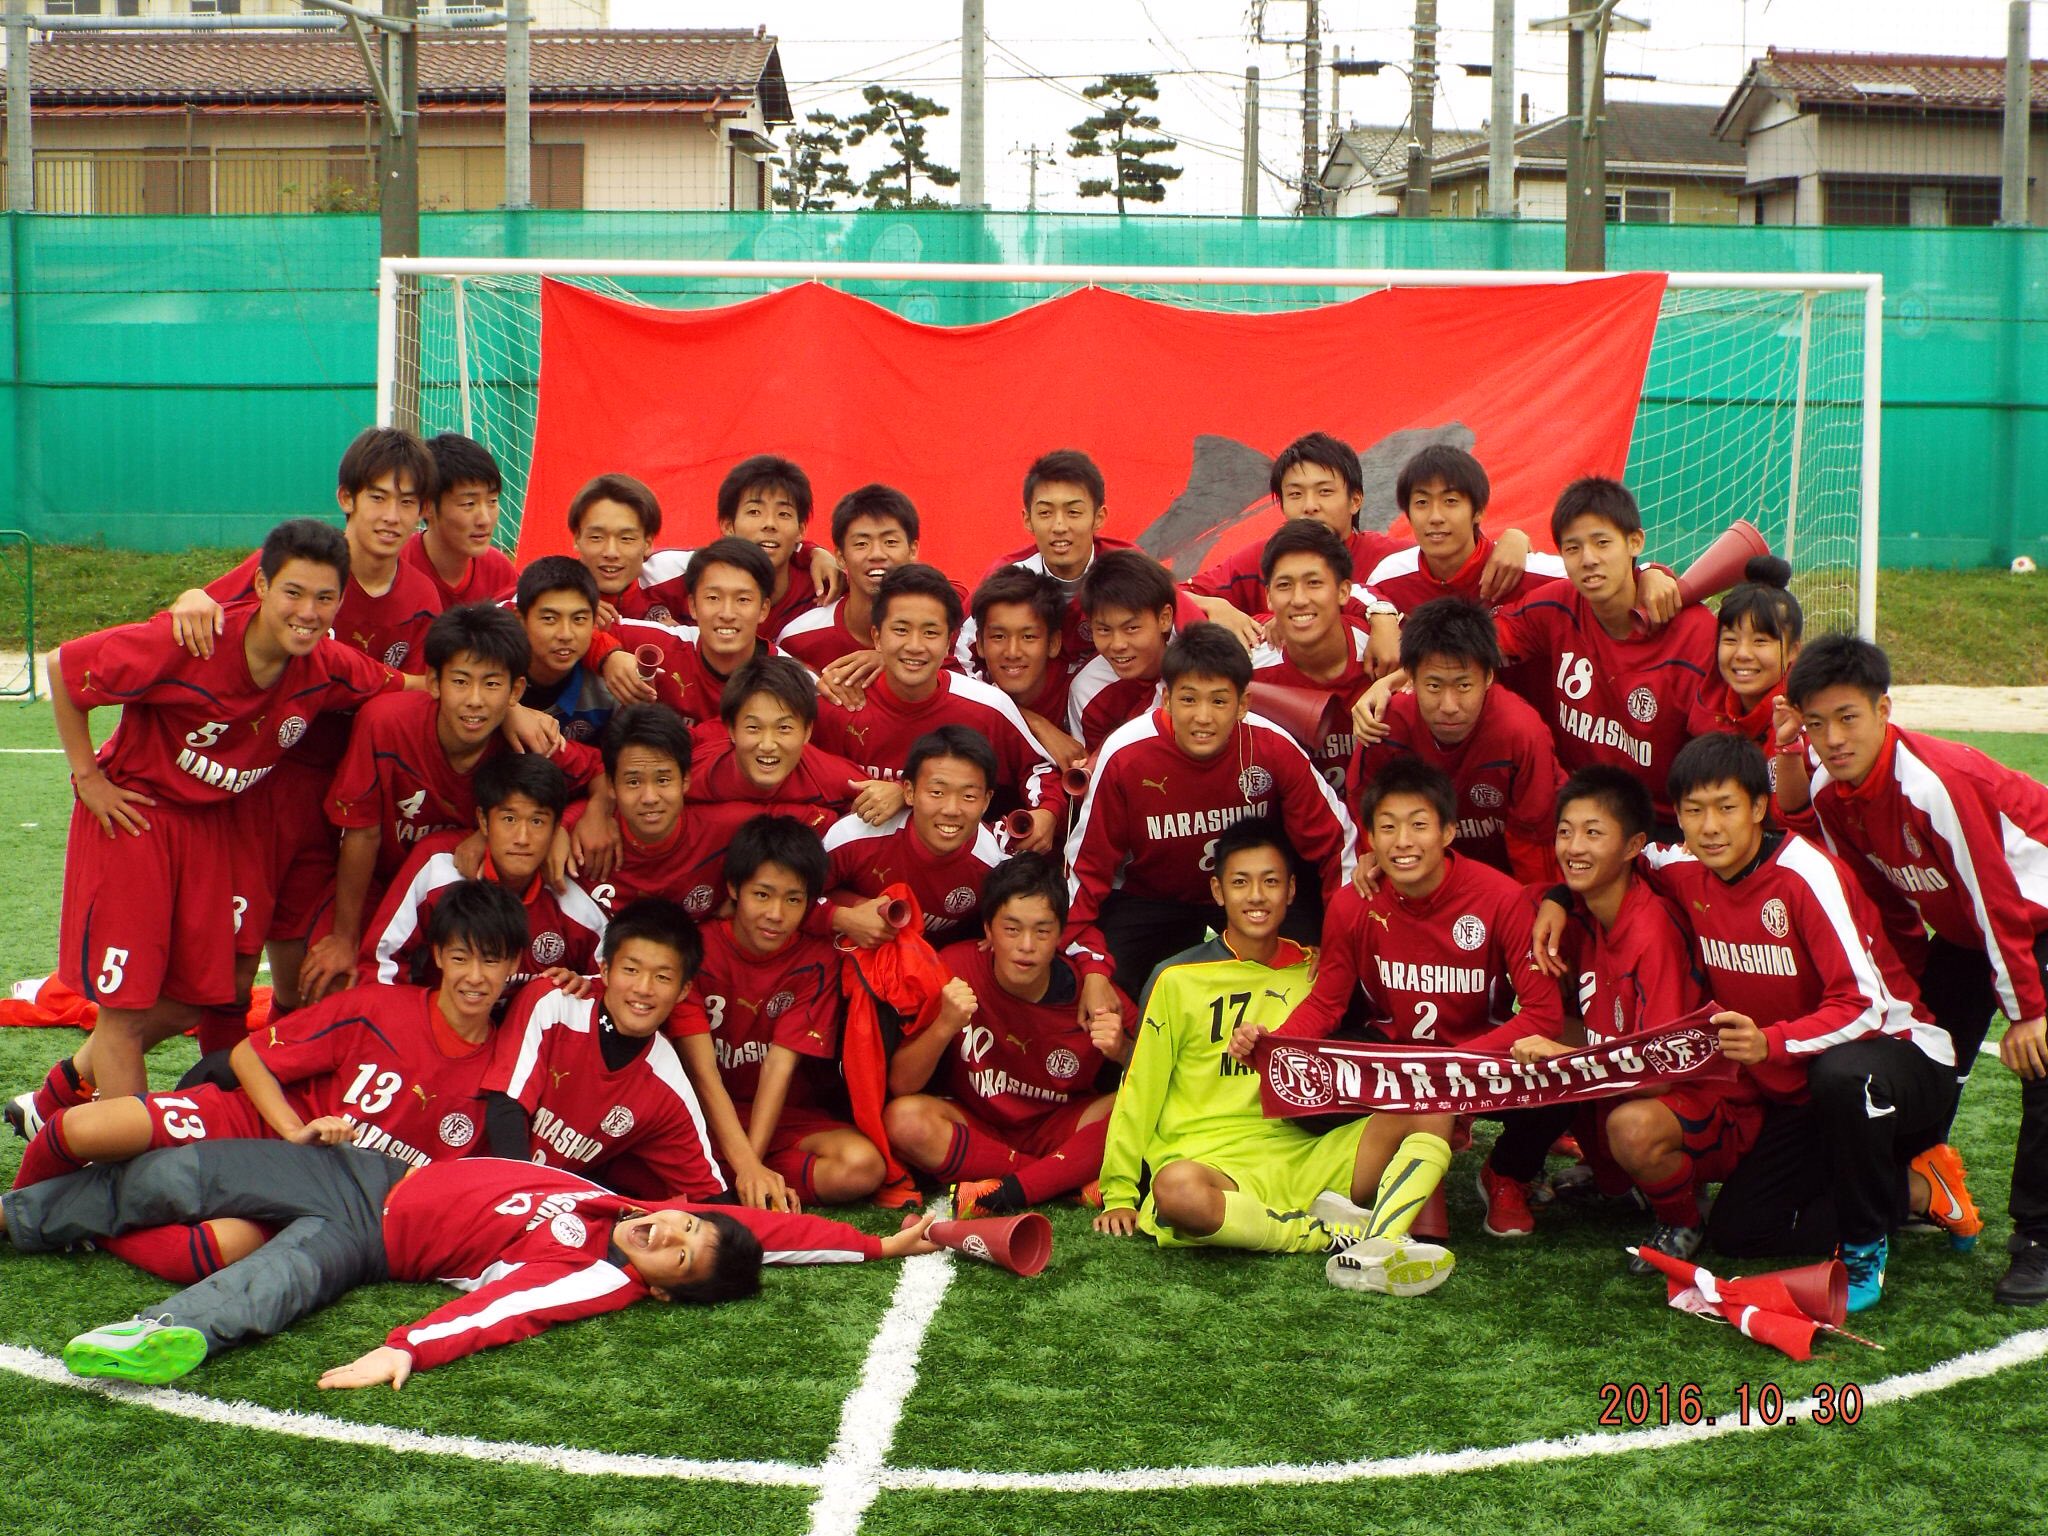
1122	1390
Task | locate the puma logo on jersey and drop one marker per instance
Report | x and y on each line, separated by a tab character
1382	919
557	1077
423	1094
1020	1044
750	1004
858	733
1158	783
1278	997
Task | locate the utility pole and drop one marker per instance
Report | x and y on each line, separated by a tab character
518	105
398	150
1421	112
1585	159
1500	152
21	164
1251	141
2012	191
973	106
1034	154
1311	112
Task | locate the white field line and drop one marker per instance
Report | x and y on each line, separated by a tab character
858	1461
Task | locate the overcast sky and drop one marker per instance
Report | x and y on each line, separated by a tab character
1041	52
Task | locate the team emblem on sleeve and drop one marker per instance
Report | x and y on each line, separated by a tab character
396	652
1255	782
290	730
549	948
960	900
1063	1063
1777	921
1487	797
1468	932
568	1229
780	1004
1301	1078
618	1121
1642	704
457	1129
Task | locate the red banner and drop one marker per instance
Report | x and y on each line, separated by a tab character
1183	409
1321	1077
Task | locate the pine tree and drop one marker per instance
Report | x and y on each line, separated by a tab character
1117	132
898	118
812	177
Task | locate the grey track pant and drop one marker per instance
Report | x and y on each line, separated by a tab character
329	1202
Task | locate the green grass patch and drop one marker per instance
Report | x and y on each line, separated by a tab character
80	588
1964	628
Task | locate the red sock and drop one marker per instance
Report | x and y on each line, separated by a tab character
1672	1200
975	1154
805	1183
222	1029
45	1157
181	1255
61	1089
1070	1165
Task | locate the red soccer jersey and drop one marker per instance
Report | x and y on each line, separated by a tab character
1152	816
688	866
196	732
658	595
1272	665
532	1247
583	1114
1098	702
879	735
1504	773
564	928
383	1059
748	1003
867	860
490	575
1638	975
1434	967
1621	702
1236	578
683	679
1795	945
816	793
1940	834
1016	1062
1403	577
396	776
1077	637
819	636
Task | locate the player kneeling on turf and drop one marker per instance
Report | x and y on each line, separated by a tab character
530	1247
1225	1176
1020	1118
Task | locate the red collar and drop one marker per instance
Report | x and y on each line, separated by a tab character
1880	770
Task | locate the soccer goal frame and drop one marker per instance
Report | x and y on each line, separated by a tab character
400	280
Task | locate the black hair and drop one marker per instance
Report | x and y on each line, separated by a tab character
483	915
1325	452
779	678
735	1264
659	921
1454	468
1251	832
741	554
1020	584
623	489
1305	536
1837	661
483	630
1063	466
951	741
380	451
919	581
1206	650
783	840
1618	792
1024	875
1405	775
308	539
1126	578
1609	500
1719	757
1455	628
873	500
764	472
460	460
1762	598
653	726
554	573
505	774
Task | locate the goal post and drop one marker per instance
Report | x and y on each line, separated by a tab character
1762	397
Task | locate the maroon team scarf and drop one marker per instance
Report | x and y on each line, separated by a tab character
1320	1077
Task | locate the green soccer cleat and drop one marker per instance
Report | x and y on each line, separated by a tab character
141	1349
1406	1268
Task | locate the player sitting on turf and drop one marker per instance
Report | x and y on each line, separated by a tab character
1129	599
760	1030
1758	628
764	759
161	863
1019	1121
1942	836
519	802
589	1082
1442	492
530	1247
874	530
407	773
1222	1174
1018	642
454	549
1307	573
726	585
1165	785
917	613
1435	947
1458	718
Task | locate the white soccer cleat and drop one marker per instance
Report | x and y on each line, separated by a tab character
1333	1210
1403	1268
20	1113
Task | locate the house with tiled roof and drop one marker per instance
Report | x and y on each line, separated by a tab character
270	122
1364	154
1878	138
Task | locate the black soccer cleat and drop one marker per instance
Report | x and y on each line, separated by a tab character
2025	1283
20	1113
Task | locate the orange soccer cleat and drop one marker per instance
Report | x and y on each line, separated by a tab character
1949	1205
900	1195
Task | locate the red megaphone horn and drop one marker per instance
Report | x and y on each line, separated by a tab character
1021	1244
1309	715
1017	826
648	658
1077	778
897	913
1720	566
1820	1290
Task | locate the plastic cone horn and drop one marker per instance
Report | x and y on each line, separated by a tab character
1017	826
1021	1244
1076	779
1820	1290
1720	567
648	658
897	913
1309	715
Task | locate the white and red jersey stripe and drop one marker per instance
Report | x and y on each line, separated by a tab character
1099	701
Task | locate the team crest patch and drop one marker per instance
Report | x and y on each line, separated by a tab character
568	1229
618	1121
1776	919
1063	1063
977	1245
1301	1078
1487	797
1642	704
960	900
698	902
1468	932
1680	1053
458	1130
1618	1020
1912	842
548	948
659	614
290	730
1255	782
780	1004
395	654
